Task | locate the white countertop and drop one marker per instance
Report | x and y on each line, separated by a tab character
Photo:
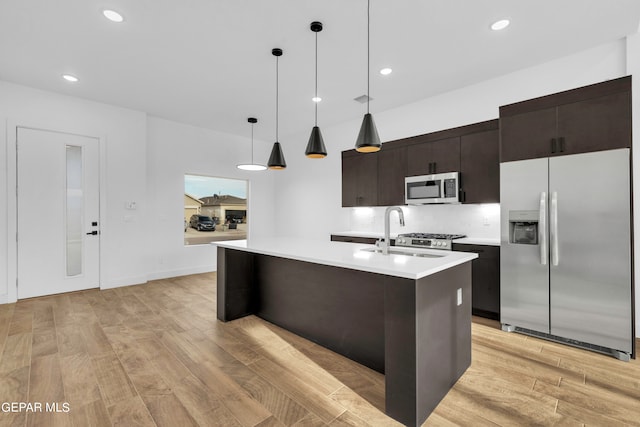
352	256
470	240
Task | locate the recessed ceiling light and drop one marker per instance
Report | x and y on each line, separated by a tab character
112	15
500	25
70	78
316	99
386	71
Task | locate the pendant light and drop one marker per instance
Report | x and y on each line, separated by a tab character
251	166
368	140
276	159
315	146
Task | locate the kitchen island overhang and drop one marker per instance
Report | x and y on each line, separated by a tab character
407	317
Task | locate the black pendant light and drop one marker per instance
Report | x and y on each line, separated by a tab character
368	140
276	159
251	166
315	146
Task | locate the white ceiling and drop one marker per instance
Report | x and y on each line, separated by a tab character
209	63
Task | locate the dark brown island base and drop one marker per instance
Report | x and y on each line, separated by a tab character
417	331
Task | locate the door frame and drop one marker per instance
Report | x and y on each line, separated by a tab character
12	193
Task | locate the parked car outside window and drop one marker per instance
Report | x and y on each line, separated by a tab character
202	223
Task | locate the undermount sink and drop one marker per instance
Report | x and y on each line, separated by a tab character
405	252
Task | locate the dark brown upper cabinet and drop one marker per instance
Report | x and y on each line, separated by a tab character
377	179
480	167
596	124
392	169
359	179
591	118
434	157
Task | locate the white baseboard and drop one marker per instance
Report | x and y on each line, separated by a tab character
180	272
123	281
4	299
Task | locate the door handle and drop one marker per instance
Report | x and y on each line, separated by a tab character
92	233
555	251
542	228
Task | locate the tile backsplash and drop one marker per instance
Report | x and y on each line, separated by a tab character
479	221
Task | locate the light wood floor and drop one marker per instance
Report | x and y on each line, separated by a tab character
155	354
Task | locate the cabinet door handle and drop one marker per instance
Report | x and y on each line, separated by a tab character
561	141
554	145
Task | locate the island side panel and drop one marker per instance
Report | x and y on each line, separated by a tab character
428	342
337	308
444	335
235	284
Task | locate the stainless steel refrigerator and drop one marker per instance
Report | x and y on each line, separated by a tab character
565	255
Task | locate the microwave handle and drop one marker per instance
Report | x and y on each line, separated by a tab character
542	228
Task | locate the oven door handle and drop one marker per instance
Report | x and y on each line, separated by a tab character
542	228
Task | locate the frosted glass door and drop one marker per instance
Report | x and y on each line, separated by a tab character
58	212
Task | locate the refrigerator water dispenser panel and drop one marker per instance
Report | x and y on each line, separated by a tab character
523	227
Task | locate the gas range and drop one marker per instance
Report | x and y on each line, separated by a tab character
427	240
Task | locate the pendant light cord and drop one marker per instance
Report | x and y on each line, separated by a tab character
316	100
277	91
368	53
252	144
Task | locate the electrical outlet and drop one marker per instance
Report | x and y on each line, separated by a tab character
485	220
459	296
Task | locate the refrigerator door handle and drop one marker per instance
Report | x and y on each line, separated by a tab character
555	251
542	228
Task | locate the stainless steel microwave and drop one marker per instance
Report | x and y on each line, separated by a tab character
436	188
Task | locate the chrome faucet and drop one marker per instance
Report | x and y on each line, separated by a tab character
384	245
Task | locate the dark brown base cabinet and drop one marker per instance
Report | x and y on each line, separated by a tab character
413	331
377	179
485	282
590	118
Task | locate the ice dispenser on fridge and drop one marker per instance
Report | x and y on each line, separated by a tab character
523	227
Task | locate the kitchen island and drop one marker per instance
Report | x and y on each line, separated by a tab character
408	317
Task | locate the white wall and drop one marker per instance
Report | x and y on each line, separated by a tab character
123	162
175	149
316	184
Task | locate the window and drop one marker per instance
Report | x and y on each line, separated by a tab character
214	209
